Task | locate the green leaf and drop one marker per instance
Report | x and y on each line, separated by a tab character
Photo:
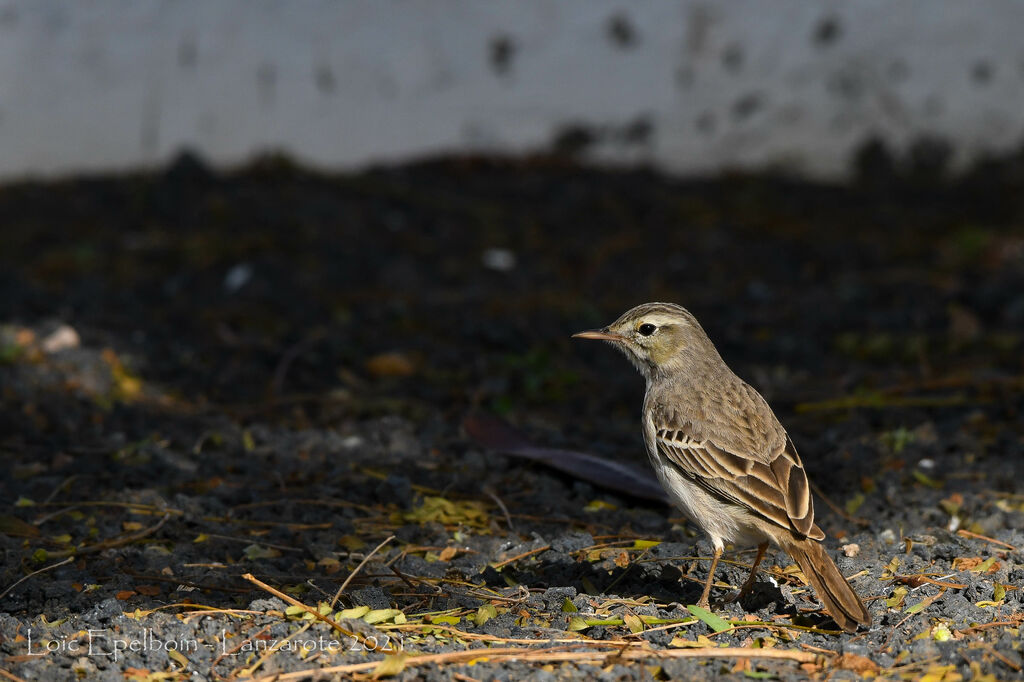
759	675
999	592
576	624
569	607
714	622
645	544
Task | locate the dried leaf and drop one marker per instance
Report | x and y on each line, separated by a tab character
178	657
702	641
975	564
357	612
253	552
148	590
15	527
486	612
389	666
448	553
125	595
391	365
381	615
448	512
568	606
896	600
351	543
634	624
859	664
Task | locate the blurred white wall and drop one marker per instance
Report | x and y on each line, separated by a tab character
693	86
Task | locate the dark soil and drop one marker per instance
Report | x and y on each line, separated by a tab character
267	372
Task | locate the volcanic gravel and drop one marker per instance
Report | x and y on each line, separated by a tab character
267	372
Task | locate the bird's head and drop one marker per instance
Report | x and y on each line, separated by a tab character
659	338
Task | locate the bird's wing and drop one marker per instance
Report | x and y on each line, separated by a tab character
735	448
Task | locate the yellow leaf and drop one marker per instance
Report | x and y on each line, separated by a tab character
702	641
389	666
645	544
485	613
598	505
381	615
351	543
357	612
634	624
898	595
178	657
447	554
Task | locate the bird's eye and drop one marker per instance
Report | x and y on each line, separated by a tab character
646	329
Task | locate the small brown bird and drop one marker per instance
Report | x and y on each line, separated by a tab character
721	453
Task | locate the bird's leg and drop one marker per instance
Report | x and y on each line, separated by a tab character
752	578
703	603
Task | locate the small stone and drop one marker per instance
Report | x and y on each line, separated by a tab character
63	338
851	550
501	260
374	597
237	277
888	536
264	605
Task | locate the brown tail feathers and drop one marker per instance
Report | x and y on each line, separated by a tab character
841	602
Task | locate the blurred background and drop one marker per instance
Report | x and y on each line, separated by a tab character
225	224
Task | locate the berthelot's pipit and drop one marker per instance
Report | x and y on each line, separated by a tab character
722	455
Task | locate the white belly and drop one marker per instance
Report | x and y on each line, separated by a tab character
723	522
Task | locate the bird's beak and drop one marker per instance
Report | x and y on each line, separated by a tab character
600	334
